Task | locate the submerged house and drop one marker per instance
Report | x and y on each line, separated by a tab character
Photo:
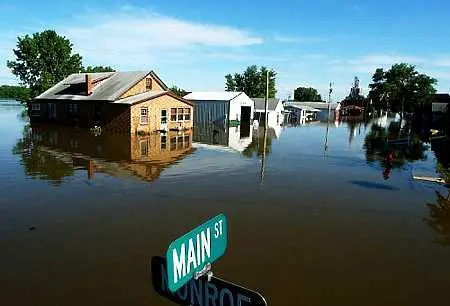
125	102
221	107
274	110
319	108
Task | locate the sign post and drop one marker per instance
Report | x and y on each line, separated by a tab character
201	291
192	254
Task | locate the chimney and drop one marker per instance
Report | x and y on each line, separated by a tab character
88	84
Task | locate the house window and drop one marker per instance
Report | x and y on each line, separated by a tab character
180	114
173	143
173	114
180	142
148	83
72	110
163	116
186	141
163	142
187	114
35	109
144	115
144	147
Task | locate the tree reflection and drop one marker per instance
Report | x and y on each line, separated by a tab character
38	163
256	147
439	212
393	146
439	218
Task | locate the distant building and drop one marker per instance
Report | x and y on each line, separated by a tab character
274	110
315	110
221	107
127	102
440	102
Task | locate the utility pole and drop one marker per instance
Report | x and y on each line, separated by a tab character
265	128
328	119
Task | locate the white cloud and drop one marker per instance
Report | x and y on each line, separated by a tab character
442	62
297	39
133	37
385	59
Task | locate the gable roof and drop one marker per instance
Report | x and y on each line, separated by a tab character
260	104
108	86
212	95
149	95
441	98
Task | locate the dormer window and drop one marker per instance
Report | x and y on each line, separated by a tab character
148	83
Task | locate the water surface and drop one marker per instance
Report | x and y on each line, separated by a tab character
81	216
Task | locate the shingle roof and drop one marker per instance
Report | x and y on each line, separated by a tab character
212	95
141	97
260	104
110	86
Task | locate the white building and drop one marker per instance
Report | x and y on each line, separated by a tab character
221	107
274	111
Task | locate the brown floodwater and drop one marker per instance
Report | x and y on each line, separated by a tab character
81	216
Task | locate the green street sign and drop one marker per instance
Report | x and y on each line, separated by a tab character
193	251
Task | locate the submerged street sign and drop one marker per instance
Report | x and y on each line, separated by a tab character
201	292
193	251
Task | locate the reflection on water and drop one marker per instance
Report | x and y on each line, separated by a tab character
320	230
439	218
234	137
54	152
393	146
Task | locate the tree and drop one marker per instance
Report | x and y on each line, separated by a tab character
401	89
252	81
178	91
307	94
43	59
90	69
18	93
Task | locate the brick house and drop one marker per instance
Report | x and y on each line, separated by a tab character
125	102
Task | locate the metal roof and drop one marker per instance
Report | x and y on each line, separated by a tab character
304	107
212	95
318	105
109	87
260	104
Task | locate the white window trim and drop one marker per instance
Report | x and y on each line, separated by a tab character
141	117
190	114
160	116
176	114
145	141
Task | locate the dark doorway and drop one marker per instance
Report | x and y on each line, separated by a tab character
245	114
244	130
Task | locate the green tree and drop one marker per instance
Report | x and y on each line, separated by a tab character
307	94
18	93
43	59
252	81
178	91
401	89
91	69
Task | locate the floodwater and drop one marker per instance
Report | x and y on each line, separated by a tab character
81	216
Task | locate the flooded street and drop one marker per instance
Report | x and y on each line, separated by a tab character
82	216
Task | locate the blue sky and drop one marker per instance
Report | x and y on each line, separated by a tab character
193	44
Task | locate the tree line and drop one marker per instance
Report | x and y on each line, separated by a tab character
18	93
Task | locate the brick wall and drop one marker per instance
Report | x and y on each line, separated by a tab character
154	114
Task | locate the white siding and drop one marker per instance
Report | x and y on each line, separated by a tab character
235	106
